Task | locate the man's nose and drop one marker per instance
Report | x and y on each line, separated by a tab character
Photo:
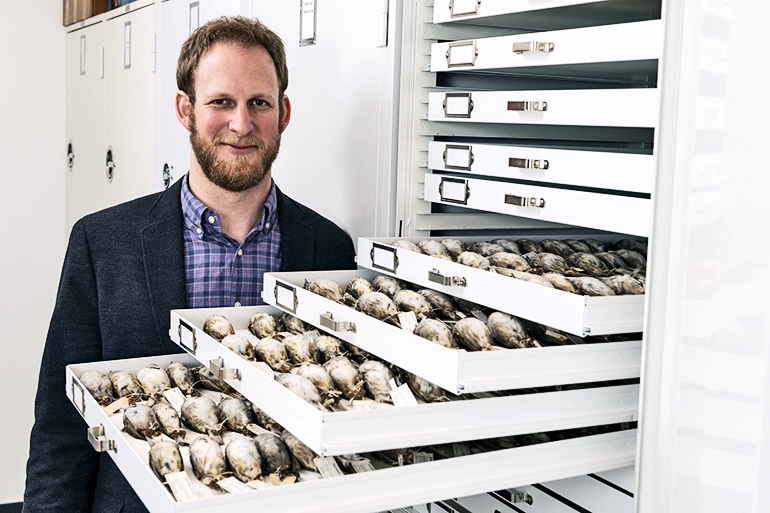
240	122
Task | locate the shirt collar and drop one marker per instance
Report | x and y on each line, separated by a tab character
197	215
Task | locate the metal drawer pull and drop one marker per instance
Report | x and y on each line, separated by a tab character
98	441
327	321
527	106
463	7
454	190
521	201
528	163
458	156
462	53
532	46
457	105
217	367
435	276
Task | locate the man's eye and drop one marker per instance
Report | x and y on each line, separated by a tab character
258	103
219	102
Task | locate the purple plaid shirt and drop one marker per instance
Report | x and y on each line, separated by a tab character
219	271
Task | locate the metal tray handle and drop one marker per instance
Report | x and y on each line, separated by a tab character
532	46
327	321
435	276
522	201
528	163
217	367
98	441
527	106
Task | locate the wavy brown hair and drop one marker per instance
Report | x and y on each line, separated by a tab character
248	32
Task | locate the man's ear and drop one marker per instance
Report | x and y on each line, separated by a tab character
183	108
286	114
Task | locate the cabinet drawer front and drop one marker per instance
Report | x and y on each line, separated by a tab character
605	170
594	107
613	213
591	46
540	14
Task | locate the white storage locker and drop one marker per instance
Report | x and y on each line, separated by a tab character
84	67
129	114
343	71
110	109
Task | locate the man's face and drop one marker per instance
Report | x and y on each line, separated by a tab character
236	122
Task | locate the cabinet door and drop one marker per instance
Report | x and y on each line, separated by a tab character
85	178
342	91
129	123
177	19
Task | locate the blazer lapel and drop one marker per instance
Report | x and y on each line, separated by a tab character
163	253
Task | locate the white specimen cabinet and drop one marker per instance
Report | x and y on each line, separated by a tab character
110	111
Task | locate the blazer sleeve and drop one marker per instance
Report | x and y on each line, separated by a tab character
61	468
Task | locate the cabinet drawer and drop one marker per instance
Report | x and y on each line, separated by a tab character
597	210
542	14
588	107
596	169
573	313
592	52
339	430
461	371
381	489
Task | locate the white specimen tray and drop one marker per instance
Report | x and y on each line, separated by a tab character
366	492
457	371
573	313
391	427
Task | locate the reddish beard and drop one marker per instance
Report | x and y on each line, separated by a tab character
239	174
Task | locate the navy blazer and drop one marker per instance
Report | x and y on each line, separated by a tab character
123	272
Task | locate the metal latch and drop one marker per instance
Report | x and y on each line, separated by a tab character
527	163
521	201
532	46
98	441
527	106
435	276
327	321
217	367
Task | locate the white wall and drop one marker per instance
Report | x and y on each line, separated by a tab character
32	177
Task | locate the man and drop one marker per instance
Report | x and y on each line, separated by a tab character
205	242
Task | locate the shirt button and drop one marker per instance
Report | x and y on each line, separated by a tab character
267	226
199	230
237	303
212	219
240	252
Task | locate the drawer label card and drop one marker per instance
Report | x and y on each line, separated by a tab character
454	190
463	7
384	257
461	53
458	156
457	105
